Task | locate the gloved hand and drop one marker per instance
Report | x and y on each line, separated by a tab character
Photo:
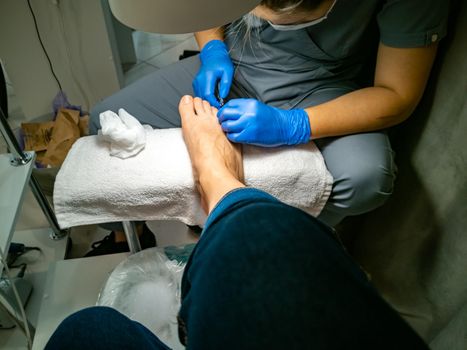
250	121
216	71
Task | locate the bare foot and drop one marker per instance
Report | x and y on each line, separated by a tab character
217	163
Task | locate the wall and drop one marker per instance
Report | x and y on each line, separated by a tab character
415	246
75	35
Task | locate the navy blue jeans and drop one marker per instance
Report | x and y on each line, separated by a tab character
263	275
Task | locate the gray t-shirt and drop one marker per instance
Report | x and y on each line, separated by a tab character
284	67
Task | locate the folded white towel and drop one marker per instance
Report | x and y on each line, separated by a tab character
157	184
126	135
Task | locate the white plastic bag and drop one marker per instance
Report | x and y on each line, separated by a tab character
146	287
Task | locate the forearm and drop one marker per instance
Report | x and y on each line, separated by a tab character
400	79
363	110
202	38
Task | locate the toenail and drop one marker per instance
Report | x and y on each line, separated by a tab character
186	99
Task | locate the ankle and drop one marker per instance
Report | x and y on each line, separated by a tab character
214	185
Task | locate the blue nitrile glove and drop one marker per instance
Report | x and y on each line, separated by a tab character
253	122
216	71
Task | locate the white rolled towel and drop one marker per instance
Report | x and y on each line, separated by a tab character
157	183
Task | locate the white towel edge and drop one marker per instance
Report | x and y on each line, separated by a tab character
64	223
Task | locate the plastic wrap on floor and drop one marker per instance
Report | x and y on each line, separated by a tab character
146	287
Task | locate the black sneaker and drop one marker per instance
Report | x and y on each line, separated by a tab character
107	245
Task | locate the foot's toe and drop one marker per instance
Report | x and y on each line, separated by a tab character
186	106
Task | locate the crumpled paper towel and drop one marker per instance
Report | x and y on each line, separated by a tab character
126	135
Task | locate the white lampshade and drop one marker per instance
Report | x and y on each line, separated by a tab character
179	16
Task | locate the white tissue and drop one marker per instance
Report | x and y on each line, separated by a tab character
126	135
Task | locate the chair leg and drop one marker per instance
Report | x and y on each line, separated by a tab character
129	228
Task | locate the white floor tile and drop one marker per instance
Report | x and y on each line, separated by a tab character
148	45
172	55
31	216
171	233
36	272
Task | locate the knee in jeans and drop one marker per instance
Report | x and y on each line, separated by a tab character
91	313
368	188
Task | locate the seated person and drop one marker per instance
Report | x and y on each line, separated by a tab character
263	275
335	72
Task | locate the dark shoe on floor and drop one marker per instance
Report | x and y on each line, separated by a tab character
147	238
196	229
108	245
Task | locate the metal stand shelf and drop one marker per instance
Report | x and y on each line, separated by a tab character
15	173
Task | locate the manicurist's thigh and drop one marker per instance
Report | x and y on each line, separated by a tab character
363	169
362	166
154	99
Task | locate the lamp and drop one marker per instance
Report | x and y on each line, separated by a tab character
179	16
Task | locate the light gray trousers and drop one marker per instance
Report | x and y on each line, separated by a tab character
362	165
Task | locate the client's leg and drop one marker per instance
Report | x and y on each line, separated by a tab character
265	275
217	163
102	328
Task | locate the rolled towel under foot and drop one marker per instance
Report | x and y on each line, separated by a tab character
157	183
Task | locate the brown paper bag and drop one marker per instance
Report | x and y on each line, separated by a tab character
37	135
64	134
84	125
53	140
